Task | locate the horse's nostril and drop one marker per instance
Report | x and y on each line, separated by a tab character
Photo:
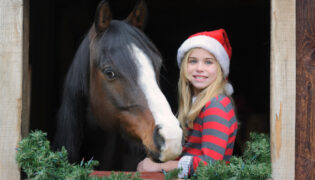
157	138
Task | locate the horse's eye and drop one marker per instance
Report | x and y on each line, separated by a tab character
109	73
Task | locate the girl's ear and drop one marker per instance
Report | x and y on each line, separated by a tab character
137	17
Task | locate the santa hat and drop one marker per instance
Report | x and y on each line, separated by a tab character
217	43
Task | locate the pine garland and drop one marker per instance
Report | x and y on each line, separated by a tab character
37	160
255	163
40	163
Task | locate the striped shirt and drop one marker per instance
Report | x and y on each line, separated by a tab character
212	136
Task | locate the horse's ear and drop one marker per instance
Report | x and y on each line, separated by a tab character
103	17
137	17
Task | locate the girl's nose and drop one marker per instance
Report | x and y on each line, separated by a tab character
199	67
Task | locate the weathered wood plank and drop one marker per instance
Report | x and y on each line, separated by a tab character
305	81
11	84
143	175
283	80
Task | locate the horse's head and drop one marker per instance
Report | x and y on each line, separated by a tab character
124	69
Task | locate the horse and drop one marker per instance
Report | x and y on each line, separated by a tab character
112	108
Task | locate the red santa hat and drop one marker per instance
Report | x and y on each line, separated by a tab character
217	43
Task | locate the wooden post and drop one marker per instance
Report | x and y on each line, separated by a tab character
283	80
13	91
305	90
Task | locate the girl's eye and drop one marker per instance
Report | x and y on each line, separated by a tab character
109	73
208	62
192	61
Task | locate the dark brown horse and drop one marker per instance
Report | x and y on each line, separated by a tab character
111	100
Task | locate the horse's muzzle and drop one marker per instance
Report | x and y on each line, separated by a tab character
157	138
169	145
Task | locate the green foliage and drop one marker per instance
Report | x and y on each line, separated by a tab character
40	163
171	174
254	164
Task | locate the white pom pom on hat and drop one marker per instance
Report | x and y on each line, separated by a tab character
217	43
228	89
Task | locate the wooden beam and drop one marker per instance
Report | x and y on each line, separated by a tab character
283	80
305	90
143	175
13	91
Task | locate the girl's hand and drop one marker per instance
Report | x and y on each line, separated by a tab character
147	165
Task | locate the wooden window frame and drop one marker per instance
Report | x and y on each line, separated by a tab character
287	121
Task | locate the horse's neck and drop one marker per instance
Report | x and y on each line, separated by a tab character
110	147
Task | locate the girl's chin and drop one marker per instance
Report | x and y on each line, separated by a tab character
199	87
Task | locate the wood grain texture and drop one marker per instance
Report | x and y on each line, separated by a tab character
11	84
143	175
305	87
283	80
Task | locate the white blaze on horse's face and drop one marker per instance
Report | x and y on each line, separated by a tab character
161	111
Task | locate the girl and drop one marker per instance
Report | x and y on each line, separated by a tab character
205	106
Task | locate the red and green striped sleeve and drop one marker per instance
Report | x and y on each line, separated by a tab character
213	135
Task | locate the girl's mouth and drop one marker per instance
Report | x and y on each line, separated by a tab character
200	78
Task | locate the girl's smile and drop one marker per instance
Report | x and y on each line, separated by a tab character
199	77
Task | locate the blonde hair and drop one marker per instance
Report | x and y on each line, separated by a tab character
188	110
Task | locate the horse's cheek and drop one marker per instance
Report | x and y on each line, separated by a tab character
140	126
102	109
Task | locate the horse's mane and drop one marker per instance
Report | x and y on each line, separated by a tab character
71	114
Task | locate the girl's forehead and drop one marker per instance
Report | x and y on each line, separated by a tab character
202	55
201	51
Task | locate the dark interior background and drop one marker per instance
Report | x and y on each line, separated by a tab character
58	26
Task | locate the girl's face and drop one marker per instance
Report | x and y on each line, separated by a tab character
201	69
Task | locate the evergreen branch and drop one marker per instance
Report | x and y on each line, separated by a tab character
40	163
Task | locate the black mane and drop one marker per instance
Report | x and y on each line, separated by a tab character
74	102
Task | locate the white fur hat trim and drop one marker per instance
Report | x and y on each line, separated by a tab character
208	43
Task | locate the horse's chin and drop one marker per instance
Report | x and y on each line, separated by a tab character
163	156
155	156
169	156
